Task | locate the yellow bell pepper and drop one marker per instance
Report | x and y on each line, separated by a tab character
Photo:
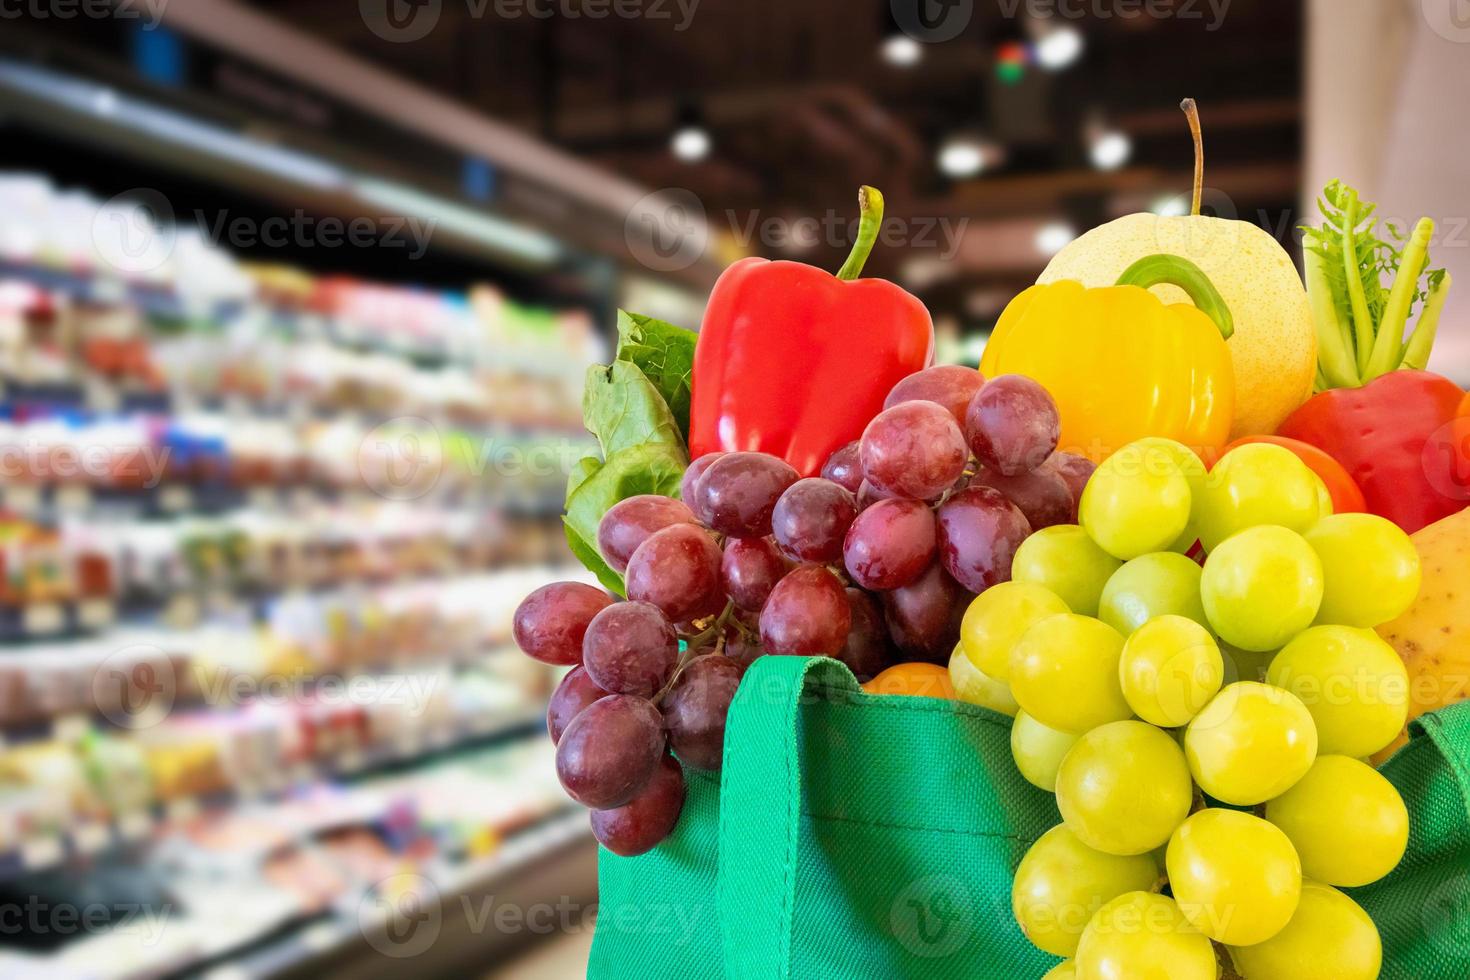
1120	363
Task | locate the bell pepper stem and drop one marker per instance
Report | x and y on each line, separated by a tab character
1174	270
1388	346
1191	112
1416	351
870	222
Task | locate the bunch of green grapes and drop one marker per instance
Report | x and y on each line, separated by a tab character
1202	723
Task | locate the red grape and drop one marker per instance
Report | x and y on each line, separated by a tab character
639	825
890	544
1041	495
751	569
868	495
1075	471
630	648
628	523
737	494
609	751
549	623
696	707
678	570
812	518
575	692
948	385
691	479
914	450
845	468
866	652
924	617
807	614
744	650
1012	424
979	532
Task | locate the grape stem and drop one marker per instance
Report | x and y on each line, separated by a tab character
694	646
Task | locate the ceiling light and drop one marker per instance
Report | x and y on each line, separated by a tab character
1110	149
1171	207
961	157
1054	237
1059	47
902	50
691	143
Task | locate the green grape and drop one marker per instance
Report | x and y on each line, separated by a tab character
1251	743
1245	665
998	617
974	686
1143	936
1370	568
1329	938
1169	670
1325	507
1038	750
1136	502
1194	472
1354	684
1064	673
1262	587
1066	970
1061	883
1158	584
1253	485
1236	877
1124	787
1066	561
1348	823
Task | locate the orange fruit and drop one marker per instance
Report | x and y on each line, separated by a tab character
918	680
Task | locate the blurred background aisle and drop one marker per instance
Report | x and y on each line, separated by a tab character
296	298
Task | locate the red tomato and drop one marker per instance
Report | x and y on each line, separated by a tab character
1347	497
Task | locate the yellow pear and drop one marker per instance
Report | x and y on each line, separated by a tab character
1274	349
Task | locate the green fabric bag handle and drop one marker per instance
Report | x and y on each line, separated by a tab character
760	809
1422	908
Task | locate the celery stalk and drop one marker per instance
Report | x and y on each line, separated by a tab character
1334	343
1416	354
1388	346
1362	319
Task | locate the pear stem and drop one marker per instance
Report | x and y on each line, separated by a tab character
1191	112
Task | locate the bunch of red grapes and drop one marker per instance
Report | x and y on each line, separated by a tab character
873	562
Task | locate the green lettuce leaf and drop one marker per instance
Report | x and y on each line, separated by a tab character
623	409
665	355
648	468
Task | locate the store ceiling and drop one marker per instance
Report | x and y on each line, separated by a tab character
802	108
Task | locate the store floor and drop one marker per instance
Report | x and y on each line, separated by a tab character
563	958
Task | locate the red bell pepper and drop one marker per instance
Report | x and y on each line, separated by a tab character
795	362
1395	437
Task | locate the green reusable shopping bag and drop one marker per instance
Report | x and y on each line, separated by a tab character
855	836
848	835
1423	907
